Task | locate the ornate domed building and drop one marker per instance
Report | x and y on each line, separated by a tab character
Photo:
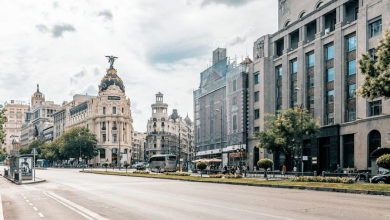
107	115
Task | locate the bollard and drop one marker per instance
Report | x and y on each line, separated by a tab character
323	173
315	172
367	177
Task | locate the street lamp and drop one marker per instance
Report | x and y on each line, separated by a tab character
220	111
301	109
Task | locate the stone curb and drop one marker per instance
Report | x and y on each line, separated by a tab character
17	183
325	189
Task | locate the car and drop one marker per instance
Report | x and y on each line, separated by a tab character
383	177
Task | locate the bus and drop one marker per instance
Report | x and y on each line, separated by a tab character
163	163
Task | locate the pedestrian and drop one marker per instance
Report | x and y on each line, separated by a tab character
355	169
295	169
284	169
338	170
254	168
244	170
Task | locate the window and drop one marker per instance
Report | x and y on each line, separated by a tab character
104	138
162	145
123	110
375	108
257	78
388	137
352	67
330	52
279	91
104	126
234	122
104	110
257	96
257	114
302	15
294	66
352	43
352	114
114	138
155	145
234	85
330	74
330	118
351	91
311	81
375	28
234	101
311	60
114	110
372	53
279	71
330	98
257	129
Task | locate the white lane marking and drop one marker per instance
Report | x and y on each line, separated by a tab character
27	201
24	197
40	214
35	209
22	194
1	209
75	207
30	203
225	207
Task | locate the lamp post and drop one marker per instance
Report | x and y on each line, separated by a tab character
220	111
301	109
179	146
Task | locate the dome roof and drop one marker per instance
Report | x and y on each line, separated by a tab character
188	120
110	79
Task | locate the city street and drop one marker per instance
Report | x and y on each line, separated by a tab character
69	194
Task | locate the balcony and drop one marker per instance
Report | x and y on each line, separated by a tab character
114	128
103	128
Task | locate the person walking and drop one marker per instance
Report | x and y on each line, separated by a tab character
244	167
284	169
338	170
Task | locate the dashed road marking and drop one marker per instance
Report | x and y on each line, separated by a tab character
30	203
27	201
35	209
40	214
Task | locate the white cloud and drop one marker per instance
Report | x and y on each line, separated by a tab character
161	45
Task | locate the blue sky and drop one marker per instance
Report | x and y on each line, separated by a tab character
162	46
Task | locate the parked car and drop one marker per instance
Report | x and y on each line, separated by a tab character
383	177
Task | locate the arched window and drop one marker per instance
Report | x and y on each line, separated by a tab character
286	24
374	141
114	110
303	14
319	5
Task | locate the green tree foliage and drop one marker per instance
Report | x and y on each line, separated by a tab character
75	140
265	163
283	131
51	152
201	166
3	120
384	161
3	154
376	73
37	144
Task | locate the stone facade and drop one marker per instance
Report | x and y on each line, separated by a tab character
15	114
312	60
220	109
163	132
138	146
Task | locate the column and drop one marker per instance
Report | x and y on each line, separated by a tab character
342	152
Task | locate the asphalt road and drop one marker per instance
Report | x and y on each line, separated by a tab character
71	195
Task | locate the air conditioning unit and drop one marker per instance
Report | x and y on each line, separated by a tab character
327	31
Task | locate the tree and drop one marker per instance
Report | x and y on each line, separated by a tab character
376	72
201	166
384	161
37	144
77	142
3	120
265	164
105	164
3	154
126	165
282	132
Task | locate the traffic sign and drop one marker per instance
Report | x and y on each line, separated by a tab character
34	151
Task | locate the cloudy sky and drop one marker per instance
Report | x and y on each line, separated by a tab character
161	45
